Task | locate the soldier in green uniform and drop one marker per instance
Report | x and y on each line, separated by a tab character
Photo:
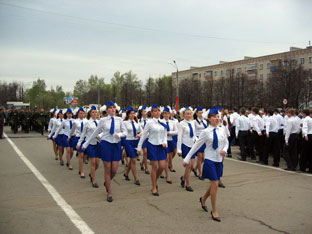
34	119
41	121
21	117
1	121
26	120
14	120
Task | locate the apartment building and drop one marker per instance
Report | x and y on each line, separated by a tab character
255	67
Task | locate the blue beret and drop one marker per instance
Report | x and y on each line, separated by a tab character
93	108
218	108
199	108
69	110
81	109
110	103
154	106
61	111
143	107
130	108
213	111
166	109
55	109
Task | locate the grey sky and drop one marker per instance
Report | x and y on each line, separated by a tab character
63	41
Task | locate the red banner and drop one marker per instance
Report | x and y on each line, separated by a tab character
177	103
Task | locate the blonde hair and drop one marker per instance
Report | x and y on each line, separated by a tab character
184	112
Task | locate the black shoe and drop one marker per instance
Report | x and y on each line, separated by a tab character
109	199
56	159
62	163
241	159
142	168
169	181
66	164
79	172
253	158
70	168
221	185
182	182
126	177
95	185
259	161
215	218
205	208
172	170
275	165
147	172
200	177
122	162
195	173
162	177
189	188
137	182
82	177
155	194
229	155
86	162
138	159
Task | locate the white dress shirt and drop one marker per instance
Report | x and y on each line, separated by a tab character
293	126
257	124
51	123
199	126
280	120
155	132
76	129
173	129
64	127
307	126
206	137
88	129
233	118
184	136
56	126
128	125
242	124
271	125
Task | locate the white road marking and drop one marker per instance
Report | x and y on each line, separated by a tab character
269	167
69	211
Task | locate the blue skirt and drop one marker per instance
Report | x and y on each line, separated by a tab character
170	147
130	146
110	152
212	170
123	140
65	143
201	149
51	138
93	151
80	148
144	145
185	149
59	140
156	152
175	141
73	142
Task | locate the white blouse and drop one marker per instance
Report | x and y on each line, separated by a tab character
155	132
128	125
88	130
199	126
206	137
56	125
184	136
76	129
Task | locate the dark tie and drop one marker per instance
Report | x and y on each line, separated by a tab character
204	124
81	126
191	130
134	130
112	127
70	124
95	123
164	125
215	139
144	122
168	128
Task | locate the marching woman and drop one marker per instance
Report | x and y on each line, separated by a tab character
52	121
174	142
92	150
172	130
200	125
64	130
112	129
216	146
156	131
59	139
143	121
186	139
75	134
134	132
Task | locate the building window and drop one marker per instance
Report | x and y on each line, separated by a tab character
215	73
310	60
195	75
221	73
268	65
302	61
239	70
261	66
199	75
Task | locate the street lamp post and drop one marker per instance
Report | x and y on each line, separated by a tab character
177	76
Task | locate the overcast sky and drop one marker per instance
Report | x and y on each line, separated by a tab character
64	41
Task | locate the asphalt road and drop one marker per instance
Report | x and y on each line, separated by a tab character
256	199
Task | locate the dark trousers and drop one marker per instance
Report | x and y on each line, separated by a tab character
1	130
260	145
290	152
306	155
281	140
253	142
243	141
272	145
